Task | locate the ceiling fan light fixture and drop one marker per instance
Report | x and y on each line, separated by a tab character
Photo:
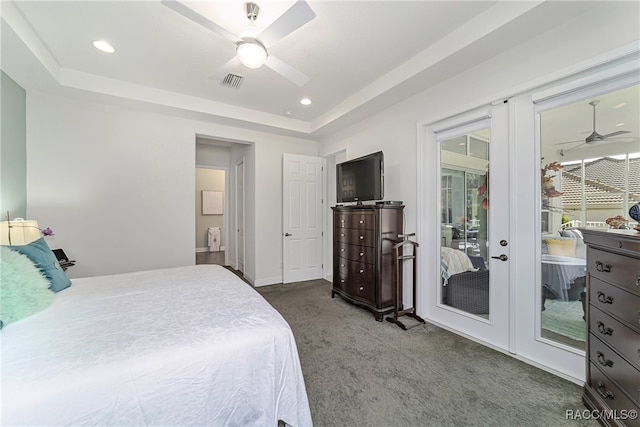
251	53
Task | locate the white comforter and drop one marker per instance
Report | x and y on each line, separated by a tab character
173	347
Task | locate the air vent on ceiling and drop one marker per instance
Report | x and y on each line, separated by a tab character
232	80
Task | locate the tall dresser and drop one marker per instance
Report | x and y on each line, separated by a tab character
613	326
363	257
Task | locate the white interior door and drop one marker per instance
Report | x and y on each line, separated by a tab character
240	215
302	218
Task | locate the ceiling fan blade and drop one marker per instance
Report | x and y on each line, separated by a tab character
563	151
569	142
286	71
199	19
295	17
227	68
616	133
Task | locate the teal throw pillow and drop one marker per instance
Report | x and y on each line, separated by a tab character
23	288
43	257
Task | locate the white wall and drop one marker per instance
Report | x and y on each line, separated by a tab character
117	185
212	155
395	130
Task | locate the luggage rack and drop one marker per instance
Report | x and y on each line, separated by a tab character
400	256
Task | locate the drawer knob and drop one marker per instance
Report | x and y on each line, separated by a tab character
361	237
603	360
362	288
361	222
361	271
637	279
341	280
602	267
604	299
361	253
341	249
603	329
342	235
602	391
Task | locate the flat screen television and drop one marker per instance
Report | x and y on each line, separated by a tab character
360	179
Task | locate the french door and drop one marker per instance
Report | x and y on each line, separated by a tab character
470	275
516	192
576	185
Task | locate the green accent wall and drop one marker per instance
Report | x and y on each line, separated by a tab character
13	149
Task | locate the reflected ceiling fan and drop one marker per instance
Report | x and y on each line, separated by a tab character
595	137
251	46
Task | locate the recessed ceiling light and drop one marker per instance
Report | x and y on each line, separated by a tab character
622	104
288	113
305	101
620	124
103	46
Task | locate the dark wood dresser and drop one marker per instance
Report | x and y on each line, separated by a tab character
363	257
613	326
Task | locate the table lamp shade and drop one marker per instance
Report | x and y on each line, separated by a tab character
19	232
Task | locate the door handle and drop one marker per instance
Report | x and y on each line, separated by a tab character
287	234
501	257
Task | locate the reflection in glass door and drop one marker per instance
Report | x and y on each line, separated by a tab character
464	226
585	183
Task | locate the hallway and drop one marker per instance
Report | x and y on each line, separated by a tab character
210	258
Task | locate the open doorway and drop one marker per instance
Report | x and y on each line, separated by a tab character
210	218
221	157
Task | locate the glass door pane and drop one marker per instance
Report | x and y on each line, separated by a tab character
464	225
585	183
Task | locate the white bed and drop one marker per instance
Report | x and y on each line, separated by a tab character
173	347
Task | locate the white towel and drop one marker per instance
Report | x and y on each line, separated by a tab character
213	240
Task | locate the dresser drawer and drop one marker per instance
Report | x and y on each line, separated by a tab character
615	268
361	290
619	370
359	220
355	236
357	253
358	270
357	279
612	395
623	305
624	340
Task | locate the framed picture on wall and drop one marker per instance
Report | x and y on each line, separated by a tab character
212	202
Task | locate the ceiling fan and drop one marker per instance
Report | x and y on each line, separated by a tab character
251	47
595	136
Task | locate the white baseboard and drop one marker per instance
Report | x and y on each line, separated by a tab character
267	281
206	249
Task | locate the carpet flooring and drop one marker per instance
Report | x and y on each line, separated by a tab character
359	372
